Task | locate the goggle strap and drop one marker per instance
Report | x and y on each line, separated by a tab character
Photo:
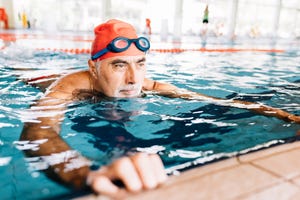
100	53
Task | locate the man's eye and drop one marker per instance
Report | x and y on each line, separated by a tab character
142	64
119	66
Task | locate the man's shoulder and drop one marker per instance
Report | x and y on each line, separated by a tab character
148	84
76	78
71	82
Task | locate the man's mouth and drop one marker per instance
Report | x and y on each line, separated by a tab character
129	92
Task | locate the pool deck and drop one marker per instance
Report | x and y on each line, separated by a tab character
273	173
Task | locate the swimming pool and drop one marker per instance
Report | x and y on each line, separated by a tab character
185	133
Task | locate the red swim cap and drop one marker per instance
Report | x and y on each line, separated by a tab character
106	32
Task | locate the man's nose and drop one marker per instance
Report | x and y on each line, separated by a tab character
131	74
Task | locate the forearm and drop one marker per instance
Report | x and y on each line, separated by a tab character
255	107
73	169
64	164
270	111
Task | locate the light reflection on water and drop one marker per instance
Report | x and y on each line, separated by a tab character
184	133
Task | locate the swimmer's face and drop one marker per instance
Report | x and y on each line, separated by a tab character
120	77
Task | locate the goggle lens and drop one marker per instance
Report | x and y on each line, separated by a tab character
143	42
121	44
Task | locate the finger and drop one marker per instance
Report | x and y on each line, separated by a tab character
158	168
145	170
124	170
102	184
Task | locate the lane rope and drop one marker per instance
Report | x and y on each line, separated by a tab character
173	50
10	37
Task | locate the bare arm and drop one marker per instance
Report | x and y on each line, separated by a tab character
172	91
46	128
143	171
255	107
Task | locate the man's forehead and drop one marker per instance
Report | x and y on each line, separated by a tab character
126	58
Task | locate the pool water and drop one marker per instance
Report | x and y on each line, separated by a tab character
184	133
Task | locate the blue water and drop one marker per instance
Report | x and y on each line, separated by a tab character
184	133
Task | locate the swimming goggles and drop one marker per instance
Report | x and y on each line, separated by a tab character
121	44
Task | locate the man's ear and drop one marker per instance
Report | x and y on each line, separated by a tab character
93	69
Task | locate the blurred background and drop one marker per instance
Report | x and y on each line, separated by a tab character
176	18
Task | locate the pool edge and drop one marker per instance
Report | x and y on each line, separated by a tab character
273	172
